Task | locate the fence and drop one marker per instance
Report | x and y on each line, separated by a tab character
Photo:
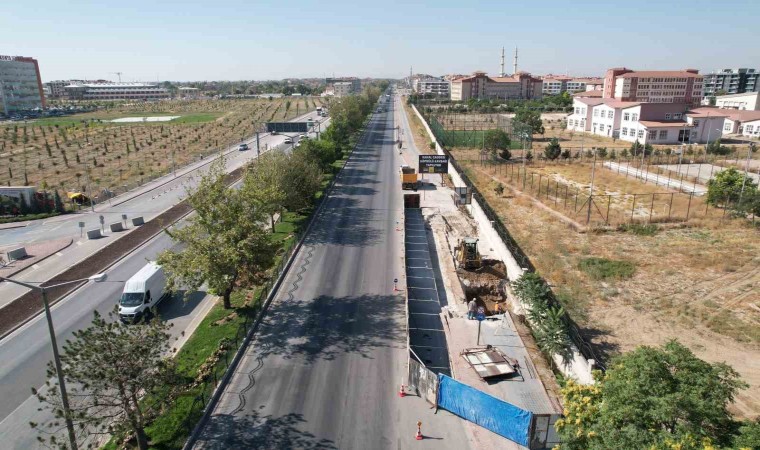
462	130
517	252
423	380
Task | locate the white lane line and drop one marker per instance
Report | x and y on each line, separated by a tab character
59	253
35	266
80	243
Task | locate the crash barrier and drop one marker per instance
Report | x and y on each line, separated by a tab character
94	234
584	358
489	412
16	254
137	221
117	226
423	381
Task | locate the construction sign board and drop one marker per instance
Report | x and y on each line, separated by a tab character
434	164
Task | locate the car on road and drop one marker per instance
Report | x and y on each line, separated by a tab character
274	132
288	140
302	136
243	147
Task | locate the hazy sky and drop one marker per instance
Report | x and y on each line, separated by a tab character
240	39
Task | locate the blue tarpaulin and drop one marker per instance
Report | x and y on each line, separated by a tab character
489	412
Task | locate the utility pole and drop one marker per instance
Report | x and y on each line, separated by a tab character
591	191
258	148
87	179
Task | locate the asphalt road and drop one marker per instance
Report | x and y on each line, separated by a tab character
25	353
147	201
324	369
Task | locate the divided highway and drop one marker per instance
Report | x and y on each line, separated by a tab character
25	352
324	369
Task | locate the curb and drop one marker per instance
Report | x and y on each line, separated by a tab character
195	434
71	241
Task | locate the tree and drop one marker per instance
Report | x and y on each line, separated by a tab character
499	189
302	179
637	147
726	187
651	398
108	369
531	119
496	141
553	150
262	184
58	203
716	148
224	241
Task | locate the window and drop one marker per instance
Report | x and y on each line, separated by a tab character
677	115
626	117
663	134
652	134
610	114
727	127
577	110
667	116
641	134
624	132
695	122
749	128
635	117
596	113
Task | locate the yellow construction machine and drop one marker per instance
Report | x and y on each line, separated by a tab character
466	254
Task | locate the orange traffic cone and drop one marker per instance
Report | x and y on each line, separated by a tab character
401	392
419	431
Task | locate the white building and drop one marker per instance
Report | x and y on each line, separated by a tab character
115	91
432	86
342	88
20	84
749	101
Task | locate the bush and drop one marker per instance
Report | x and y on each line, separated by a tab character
604	269
639	229
553	150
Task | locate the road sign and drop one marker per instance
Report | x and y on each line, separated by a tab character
481	314
288	127
433	164
102	220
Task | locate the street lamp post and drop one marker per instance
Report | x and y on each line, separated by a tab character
53	342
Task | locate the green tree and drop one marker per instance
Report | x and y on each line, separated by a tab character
302	179
263	184
553	150
108	369
496	141
651	398
224	242
499	189
58	203
726	187
530	118
716	148
748	436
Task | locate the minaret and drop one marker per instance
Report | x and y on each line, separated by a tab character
502	74
515	68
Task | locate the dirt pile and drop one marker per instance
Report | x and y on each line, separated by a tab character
486	285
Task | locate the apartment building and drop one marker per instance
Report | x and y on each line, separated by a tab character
748	101
432	86
732	81
342	88
557	84
480	86
20	84
354	83
115	91
654	86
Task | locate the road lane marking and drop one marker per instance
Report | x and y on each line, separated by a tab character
35	266
59	253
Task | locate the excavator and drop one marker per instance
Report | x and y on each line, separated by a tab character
466	254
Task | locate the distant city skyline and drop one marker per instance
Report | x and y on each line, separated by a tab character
237	40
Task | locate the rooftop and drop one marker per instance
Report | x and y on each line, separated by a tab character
589	94
665	124
744	94
112	85
660	73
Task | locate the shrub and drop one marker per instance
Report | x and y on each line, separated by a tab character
604	269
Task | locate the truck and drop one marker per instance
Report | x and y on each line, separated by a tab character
142	293
408	177
319	110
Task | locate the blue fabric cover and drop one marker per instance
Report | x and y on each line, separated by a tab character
489	412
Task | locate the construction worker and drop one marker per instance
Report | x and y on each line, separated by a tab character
472	307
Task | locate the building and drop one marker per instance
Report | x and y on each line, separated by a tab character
658	86
188	92
589	94
654	123
58	88
520	86
748	101
732	81
354	85
115	91
557	84
432	86
737	122
20	84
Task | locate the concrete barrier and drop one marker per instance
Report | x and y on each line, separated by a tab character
117	226
16	254
137	221
94	234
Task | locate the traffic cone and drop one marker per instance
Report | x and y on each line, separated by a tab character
401	392
419	431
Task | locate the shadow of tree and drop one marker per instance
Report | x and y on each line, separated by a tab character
342	222
325	327
252	430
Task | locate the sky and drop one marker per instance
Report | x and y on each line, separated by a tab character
191	40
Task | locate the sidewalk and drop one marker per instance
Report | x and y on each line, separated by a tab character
37	252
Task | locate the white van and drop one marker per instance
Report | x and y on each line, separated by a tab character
142	292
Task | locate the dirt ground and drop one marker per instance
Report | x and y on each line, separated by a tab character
699	284
61	152
486	285
421	139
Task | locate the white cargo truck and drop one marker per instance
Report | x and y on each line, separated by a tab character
142	293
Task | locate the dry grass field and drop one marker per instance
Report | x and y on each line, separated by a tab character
699	283
55	152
